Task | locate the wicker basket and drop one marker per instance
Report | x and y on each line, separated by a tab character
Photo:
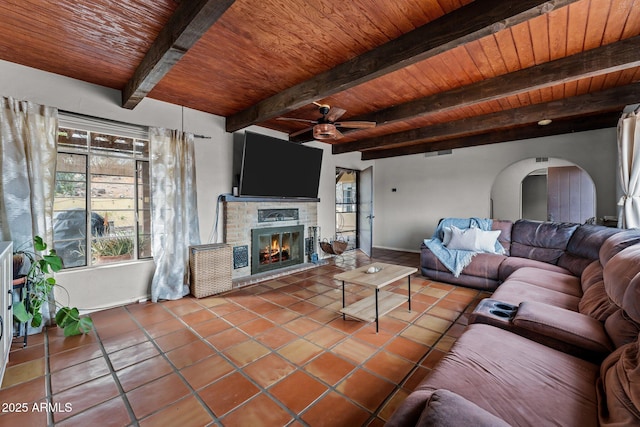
210	267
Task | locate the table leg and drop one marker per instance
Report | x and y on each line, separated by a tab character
377	290
343	315
409	292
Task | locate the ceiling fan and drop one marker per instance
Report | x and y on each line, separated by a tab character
325	127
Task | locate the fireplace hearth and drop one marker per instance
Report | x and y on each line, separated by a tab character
276	247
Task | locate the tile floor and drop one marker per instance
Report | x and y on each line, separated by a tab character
273	354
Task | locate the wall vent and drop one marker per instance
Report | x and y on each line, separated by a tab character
438	153
542	159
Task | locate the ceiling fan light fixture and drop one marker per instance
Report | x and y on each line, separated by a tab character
324	131
544	122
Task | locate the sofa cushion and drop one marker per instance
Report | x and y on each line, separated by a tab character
556	281
591	275
618	273
595	303
515	291
618	391
447	409
542	241
584	246
621	328
483	264
520	381
505	233
512	263
616	243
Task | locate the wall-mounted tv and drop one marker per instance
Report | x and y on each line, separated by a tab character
273	167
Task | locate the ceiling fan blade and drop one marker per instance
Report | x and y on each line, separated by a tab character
335	113
300	132
356	125
339	134
292	119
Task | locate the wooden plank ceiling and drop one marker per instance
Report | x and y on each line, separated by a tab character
433	74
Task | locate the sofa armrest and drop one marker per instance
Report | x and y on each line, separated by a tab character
569	327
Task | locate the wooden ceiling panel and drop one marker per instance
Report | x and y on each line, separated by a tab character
96	41
295	51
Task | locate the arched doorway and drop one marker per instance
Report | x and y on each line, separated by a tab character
517	191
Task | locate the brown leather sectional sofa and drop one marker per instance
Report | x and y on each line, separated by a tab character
558	342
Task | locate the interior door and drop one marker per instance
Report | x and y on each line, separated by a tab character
570	195
365	210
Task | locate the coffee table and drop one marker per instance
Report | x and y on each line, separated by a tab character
381	302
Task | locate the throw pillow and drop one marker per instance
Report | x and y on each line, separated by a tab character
447	236
448	409
473	239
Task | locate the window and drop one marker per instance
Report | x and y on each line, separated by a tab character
102	197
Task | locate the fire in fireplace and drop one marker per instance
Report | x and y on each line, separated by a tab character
276	247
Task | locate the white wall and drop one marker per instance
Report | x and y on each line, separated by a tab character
459	185
105	286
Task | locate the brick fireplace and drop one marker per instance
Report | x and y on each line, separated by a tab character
280	217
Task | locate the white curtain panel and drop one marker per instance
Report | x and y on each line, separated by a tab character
28	138
174	212
629	160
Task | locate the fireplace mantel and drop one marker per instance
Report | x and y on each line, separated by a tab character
244	199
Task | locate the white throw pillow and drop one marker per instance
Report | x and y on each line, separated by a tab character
447	236
473	239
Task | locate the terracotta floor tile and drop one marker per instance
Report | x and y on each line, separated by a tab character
186	306
444	313
276	337
329	368
207	371
239	317
392	404
26	354
118	342
187	412
269	369
369	335
256	327
281	299
85	396
323	315
415	378
156	394
366	389
78	374
211	327
151	314
190	354
198	317
325	337
29	418
300	351
282	316
23	372
421	335
176	339
144	372
303	307
389	366
164	328
25	392
132	355
261	411
112	413
354	350
58	342
265	307
298	390
224	309
227	338
333	410
407	348
227	393
302	326
348	325
246	352
73	357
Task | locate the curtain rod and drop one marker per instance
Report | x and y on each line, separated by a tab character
120	123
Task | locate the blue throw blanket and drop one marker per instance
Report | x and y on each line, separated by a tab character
456	260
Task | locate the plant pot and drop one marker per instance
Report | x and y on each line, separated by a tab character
108	259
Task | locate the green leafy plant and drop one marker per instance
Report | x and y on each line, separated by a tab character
41	283
113	245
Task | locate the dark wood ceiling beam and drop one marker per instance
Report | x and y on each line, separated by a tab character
188	23
468	23
606	59
590	103
558	127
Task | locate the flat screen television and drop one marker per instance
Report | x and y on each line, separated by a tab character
273	167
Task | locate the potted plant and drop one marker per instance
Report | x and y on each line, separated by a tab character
112	248
41	283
